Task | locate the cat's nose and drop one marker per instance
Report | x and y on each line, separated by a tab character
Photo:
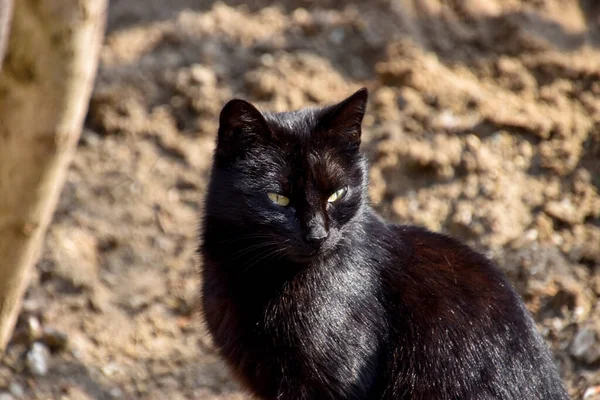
316	239
315	231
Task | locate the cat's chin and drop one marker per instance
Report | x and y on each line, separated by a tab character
311	256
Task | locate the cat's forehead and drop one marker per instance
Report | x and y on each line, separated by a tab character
294	125
302	149
297	137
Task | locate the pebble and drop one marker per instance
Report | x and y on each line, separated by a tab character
592	393
16	389
6	396
337	36
203	75
111	369
37	359
28	331
267	60
34	327
584	346
563	210
116	393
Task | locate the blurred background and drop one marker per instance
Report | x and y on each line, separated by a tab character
483	122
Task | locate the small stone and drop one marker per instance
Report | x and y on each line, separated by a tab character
137	302
37	359
116	393
27	331
301	16
6	396
99	299
584	346
267	60
203	75
563	210
111	369
90	138
75	392
337	35
446	120
16	389
592	393
34	327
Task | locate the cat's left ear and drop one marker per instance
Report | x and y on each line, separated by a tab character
343	121
241	126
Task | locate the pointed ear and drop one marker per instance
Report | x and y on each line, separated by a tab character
343	121
240	125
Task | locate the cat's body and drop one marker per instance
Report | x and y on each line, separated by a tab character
312	298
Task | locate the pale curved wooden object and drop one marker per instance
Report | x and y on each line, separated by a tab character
5	17
45	85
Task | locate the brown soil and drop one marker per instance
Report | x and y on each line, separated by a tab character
484	122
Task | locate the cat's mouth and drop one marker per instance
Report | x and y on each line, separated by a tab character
304	257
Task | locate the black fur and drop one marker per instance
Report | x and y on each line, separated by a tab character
379	311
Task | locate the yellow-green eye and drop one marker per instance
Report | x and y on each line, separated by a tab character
278	199
338	194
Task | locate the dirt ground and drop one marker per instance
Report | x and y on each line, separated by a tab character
484	122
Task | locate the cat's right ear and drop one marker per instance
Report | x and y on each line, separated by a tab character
342	122
240	126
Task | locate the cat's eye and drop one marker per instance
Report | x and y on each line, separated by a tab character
278	199
338	194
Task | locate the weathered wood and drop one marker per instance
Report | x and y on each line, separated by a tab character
5	17
45	85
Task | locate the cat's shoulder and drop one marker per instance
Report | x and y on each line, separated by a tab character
438	250
436	276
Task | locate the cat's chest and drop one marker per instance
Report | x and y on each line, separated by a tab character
330	318
319	299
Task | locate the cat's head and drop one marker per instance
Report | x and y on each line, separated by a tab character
292	181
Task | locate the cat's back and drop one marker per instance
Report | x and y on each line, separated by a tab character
458	326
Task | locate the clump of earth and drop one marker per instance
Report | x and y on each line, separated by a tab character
483	122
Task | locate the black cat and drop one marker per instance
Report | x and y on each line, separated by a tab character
308	294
